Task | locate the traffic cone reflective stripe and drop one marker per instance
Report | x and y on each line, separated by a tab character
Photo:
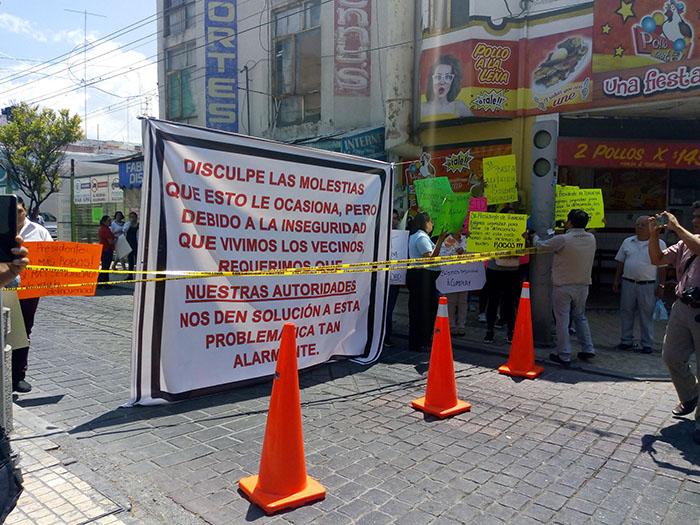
521	360
440	398
282	482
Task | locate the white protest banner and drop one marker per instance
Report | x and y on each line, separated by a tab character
461	278
214	200
399	250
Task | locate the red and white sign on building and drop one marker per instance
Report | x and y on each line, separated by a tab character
352	72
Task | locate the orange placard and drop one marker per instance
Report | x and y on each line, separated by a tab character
63	254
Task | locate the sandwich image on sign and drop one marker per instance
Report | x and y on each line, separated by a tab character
561	62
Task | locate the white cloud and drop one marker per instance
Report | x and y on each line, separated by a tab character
17	25
106	112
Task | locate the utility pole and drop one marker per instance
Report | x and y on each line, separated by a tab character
85	14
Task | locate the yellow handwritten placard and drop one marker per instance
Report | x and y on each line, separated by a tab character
589	200
500	176
496	231
64	254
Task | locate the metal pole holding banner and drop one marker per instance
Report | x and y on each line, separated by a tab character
544	178
5	371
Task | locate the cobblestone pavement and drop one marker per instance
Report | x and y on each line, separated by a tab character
571	447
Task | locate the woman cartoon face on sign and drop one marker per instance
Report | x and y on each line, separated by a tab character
442	89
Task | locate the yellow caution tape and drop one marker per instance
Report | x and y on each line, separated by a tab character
359	267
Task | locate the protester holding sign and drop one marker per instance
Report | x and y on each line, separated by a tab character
574	253
422	298
30	232
456	244
503	281
107	240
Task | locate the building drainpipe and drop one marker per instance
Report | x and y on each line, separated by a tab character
72	200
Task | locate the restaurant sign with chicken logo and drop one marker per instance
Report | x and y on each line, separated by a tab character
645	48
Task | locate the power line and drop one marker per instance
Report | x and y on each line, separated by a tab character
158	60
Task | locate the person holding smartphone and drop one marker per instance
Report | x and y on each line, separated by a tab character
31	232
9	271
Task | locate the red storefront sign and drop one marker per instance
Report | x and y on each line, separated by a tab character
353	64
603	153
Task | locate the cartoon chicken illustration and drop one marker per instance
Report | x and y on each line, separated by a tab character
675	28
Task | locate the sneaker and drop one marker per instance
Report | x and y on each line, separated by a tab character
489	337
644	350
624	346
482	318
22	387
555	358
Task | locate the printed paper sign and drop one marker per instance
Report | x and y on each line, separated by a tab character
496	231
99	189
500	176
216	201
64	254
399	251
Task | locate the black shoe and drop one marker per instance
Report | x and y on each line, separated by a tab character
683	409
696	436
624	346
509	337
644	350
489	337
559	360
388	343
500	324
22	387
585	355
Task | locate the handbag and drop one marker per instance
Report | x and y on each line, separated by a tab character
122	249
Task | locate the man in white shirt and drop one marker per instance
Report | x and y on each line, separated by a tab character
640	287
30	232
574	252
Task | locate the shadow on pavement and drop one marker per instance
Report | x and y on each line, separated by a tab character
679	437
39	401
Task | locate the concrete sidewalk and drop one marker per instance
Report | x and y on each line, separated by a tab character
571	447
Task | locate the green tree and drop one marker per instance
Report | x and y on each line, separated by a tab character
32	149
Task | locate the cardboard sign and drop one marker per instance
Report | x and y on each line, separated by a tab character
446	208
65	254
496	231
461	278
398	251
500	176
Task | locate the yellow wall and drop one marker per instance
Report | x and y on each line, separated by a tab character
518	130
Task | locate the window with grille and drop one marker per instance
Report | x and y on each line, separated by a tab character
180	69
179	15
296	64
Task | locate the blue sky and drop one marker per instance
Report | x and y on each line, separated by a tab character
34	31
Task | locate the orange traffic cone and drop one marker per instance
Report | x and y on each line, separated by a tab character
282	482
441	391
521	361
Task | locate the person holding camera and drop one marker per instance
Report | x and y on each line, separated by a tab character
682	336
636	280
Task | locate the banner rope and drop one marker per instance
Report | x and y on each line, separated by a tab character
349	268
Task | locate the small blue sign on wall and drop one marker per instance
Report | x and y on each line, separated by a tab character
131	174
